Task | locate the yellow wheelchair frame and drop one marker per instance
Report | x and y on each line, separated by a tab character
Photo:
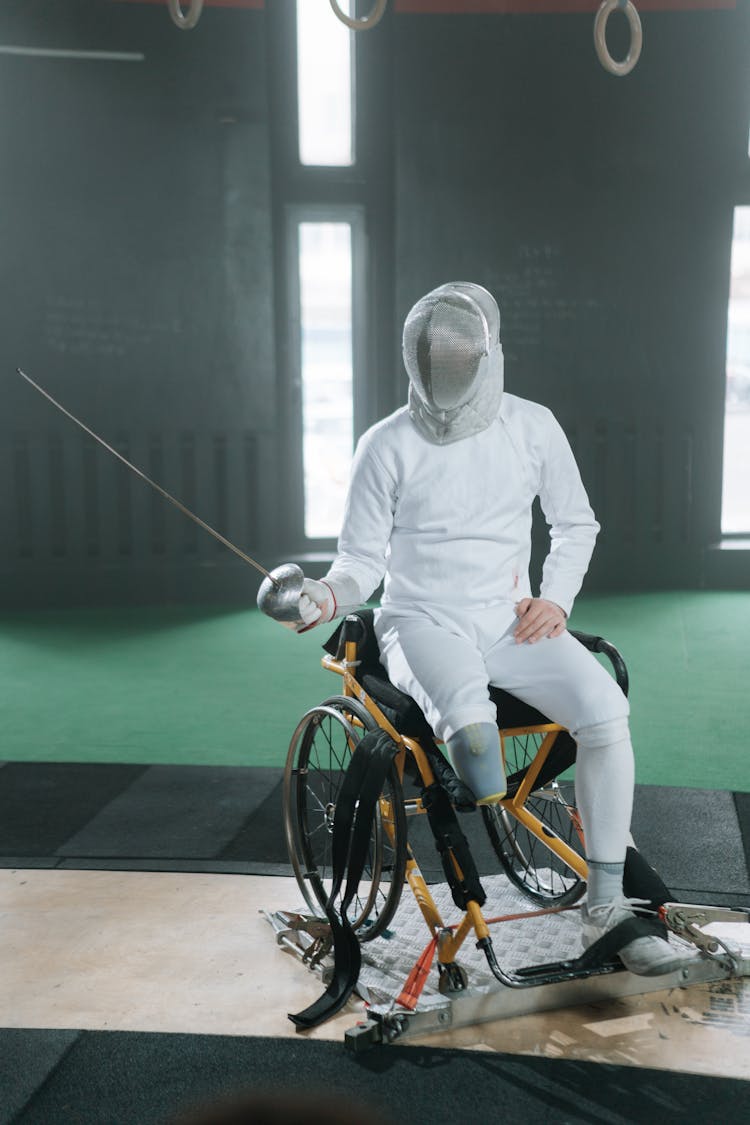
357	712
396	745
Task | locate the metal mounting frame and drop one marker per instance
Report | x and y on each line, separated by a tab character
387	960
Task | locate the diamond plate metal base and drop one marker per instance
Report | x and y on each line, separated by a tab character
388	960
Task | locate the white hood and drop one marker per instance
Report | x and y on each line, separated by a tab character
454	361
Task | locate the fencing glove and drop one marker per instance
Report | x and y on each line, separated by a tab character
316	604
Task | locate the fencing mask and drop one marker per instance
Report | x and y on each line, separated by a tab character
454	361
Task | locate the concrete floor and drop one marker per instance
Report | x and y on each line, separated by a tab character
147	951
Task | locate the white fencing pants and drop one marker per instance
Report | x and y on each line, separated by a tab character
445	659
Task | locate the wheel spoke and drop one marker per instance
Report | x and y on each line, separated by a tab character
318	758
526	859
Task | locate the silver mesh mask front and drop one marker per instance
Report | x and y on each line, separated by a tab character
453	358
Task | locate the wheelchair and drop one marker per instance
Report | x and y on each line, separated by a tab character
535	837
535	832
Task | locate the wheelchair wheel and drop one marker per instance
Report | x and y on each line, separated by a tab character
527	861
319	754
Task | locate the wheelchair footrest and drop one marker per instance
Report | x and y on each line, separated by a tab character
553	972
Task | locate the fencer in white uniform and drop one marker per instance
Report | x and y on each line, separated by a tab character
439	508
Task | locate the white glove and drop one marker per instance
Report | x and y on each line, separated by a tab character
316	604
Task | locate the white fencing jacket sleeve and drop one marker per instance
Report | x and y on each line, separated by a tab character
572	526
366	529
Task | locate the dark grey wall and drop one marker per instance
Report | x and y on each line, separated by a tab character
142	269
599	211
136	275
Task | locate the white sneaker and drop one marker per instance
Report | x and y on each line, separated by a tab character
650	956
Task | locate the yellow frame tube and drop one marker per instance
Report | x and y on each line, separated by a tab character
561	849
473	917
516	805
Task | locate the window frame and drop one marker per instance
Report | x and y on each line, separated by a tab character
295	214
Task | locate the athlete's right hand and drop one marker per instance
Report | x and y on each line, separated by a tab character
316	604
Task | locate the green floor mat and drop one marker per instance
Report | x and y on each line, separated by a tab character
205	686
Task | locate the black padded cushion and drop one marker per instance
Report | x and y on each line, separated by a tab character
399	708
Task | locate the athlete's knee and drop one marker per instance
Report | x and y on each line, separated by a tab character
600	735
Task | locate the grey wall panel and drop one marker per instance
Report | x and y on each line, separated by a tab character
137	270
79	521
599	212
137	287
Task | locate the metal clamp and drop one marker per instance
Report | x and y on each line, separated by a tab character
686	920
600	36
309	937
366	22
185	20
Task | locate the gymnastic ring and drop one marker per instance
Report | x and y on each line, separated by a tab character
366	22
600	36
185	20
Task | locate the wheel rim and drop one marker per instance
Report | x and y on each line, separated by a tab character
526	859
532	863
319	753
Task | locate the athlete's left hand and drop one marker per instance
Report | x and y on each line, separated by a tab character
538	619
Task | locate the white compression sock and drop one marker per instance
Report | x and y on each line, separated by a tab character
604	883
605	777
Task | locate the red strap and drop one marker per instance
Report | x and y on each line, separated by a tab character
415	982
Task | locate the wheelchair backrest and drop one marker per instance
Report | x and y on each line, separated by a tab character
368	653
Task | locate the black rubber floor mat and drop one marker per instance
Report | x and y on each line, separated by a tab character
43	804
150	1079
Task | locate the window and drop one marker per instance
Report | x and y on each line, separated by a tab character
325	86
325	101
735	514
325	287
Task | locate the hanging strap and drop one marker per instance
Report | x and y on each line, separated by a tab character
452	845
352	828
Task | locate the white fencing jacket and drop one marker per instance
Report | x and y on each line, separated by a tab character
450	525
